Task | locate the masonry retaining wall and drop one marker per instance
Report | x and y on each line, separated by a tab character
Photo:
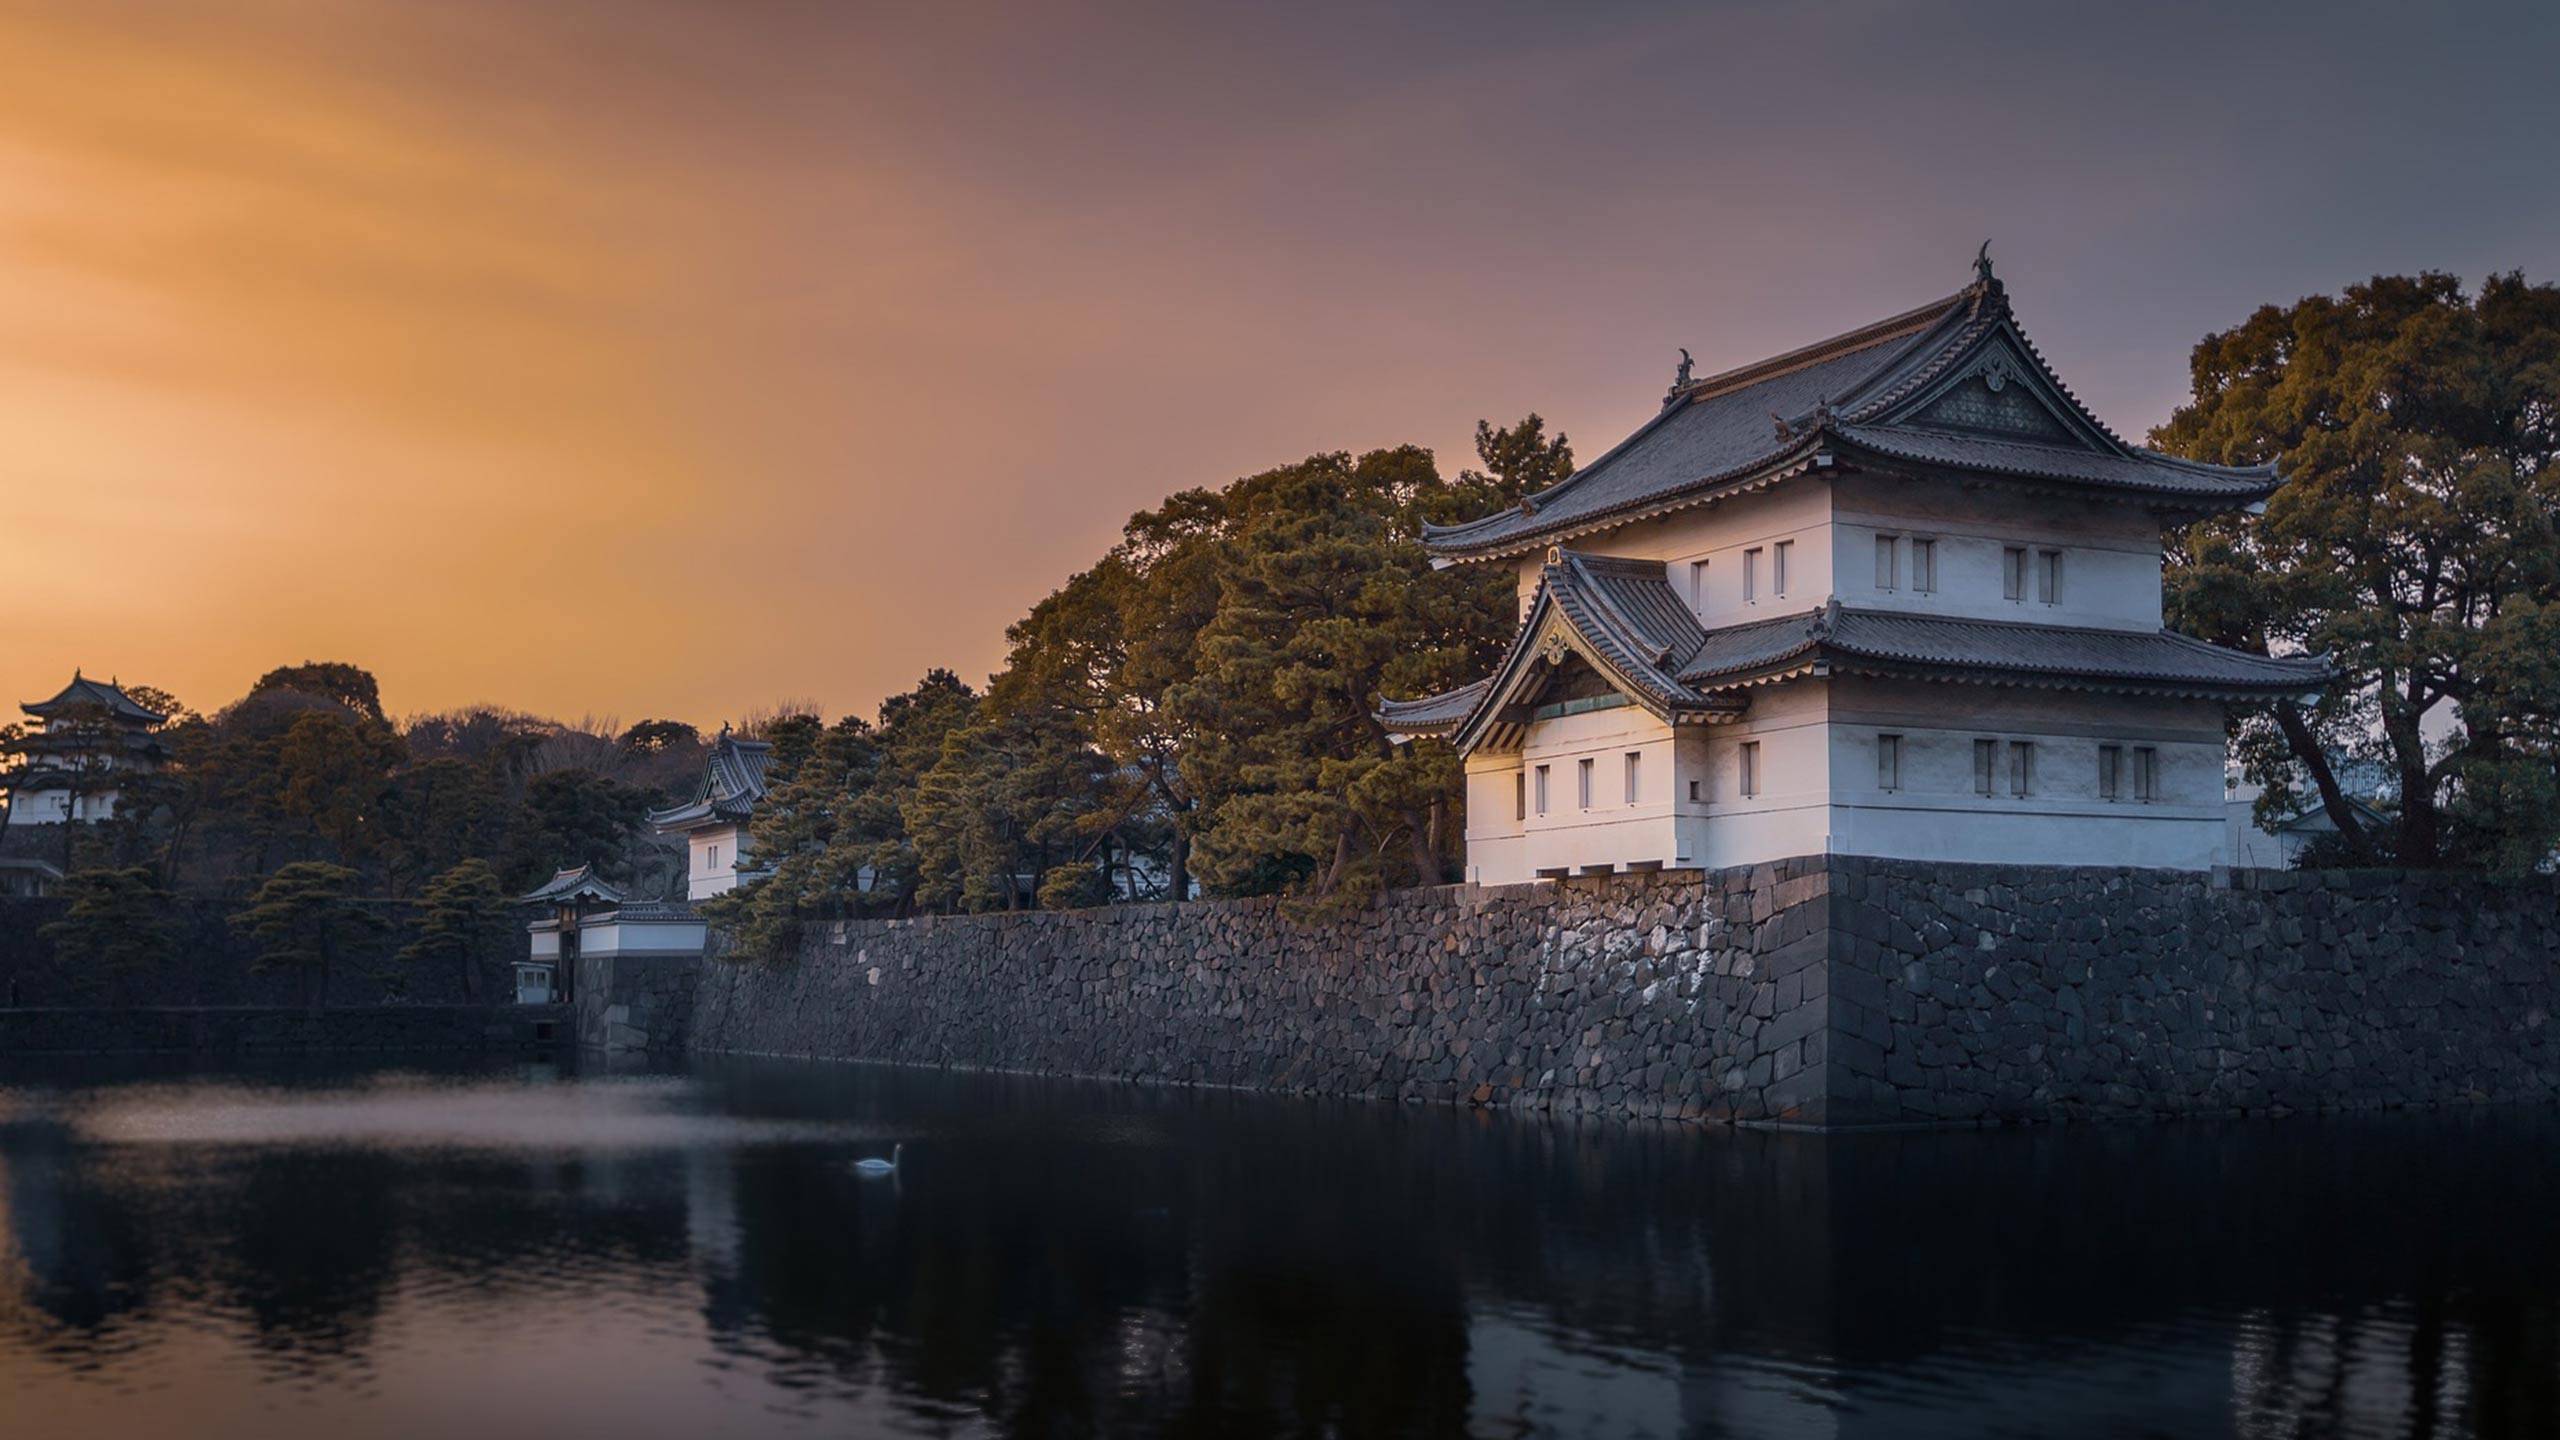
1822	991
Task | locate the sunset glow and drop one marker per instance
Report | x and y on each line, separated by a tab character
646	359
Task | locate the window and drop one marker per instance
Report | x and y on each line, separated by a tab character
2049	576
1698	586
1778	569
1986	765
1750	768
1888	568
1519	797
2022	767
711	858
1635	767
1888	762
2013	573
1542	789
2110	769
2146	773
1751	576
1694	796
1924	566
1582	782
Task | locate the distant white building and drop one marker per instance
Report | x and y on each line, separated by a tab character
714	820
2278	842
86	741
1893	594
589	918
85	744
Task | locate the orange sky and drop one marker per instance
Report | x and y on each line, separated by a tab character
644	358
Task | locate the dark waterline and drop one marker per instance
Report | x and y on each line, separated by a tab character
514	1251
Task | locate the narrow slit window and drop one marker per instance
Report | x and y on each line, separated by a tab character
2013	573
1751	576
1695	797
1750	768
1635	775
1924	567
1698	586
2049	577
1888	563
2022	767
1582	780
1542	789
2146	773
1888	762
1986	764
1519	797
2110	771
1778	568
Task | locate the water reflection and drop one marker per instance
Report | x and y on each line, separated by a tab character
528	1252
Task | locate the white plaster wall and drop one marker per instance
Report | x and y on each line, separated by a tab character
1611	833
712	860
1936	814
546	942
1790	814
1797	511
2110	566
52	807
641	937
1497	852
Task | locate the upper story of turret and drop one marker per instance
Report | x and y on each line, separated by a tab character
1930	463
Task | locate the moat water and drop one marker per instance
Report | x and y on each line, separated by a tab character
522	1251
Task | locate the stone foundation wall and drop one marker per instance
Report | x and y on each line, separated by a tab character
1829	992
635	1004
2011	992
1655	995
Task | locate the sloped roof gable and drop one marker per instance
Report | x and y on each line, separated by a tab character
1954	384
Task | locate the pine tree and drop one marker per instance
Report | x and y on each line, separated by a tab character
306	917
466	915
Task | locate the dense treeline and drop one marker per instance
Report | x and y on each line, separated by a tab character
307	767
303	799
1195	711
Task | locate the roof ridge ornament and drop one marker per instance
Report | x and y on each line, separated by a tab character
1986	288
1680	379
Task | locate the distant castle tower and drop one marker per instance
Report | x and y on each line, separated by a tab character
90	736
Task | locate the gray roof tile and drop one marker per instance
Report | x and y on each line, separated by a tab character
1756	424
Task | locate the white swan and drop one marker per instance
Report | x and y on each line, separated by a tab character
874	1165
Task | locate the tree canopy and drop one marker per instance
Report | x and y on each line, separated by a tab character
2416	543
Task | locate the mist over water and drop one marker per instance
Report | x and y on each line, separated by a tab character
526	1250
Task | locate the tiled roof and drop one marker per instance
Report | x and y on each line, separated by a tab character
1998	651
1433	714
1626	611
85	691
2140	470
733	780
1631	627
1640	633
577	883
1889	389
